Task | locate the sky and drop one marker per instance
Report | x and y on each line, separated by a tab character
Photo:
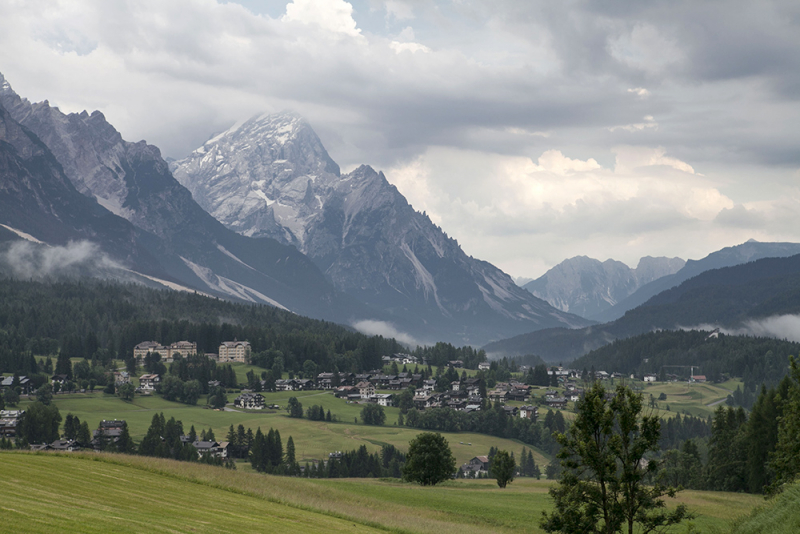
530	131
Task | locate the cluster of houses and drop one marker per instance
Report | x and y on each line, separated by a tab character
229	351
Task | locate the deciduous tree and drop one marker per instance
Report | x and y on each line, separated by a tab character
601	488
429	459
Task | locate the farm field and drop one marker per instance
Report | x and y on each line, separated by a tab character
116	493
313	439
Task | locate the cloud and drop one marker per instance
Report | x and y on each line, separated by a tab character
639	91
649	122
332	15
385	329
408	47
27	260
776	326
461	124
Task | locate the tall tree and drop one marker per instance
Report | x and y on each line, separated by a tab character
429	459
503	467
602	488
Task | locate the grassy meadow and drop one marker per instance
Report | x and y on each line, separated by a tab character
313	439
116	493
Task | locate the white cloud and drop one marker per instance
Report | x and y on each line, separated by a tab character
649	122
333	15
408	47
385	329
639	91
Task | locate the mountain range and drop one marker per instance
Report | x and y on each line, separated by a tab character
292	232
741	298
271	176
71	177
586	286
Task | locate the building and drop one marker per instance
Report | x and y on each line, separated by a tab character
365	389
149	382
121	377
167	353
9	419
383	399
249	401
649	378
234	351
478	466
529	412
484	366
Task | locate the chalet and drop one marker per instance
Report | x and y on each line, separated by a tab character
214	384
550	394
456	364
9	419
365	389
556	402
121	377
65	445
405	359
149	382
344	391
395	385
383	399
529	412
304	384
484	366
24	383
575	395
498	395
519	392
429	385
234	351
61	380
511	411
107	431
698	378
249	401
649	378
472	408
211	448
479	465
284	385
455	385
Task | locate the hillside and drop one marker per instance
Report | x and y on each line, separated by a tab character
756	360
727	257
115	493
780	515
731	297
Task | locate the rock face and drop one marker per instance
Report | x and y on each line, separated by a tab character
586	287
130	183
271	176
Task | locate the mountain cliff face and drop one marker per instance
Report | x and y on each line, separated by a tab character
271	176
131	187
586	287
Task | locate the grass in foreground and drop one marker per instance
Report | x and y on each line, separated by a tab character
780	515
115	493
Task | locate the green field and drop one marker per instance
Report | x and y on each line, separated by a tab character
313	439
90	492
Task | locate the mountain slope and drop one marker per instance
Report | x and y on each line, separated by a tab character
731	297
726	257
271	176
586	287
132	181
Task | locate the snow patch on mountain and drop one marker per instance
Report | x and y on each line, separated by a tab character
230	287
